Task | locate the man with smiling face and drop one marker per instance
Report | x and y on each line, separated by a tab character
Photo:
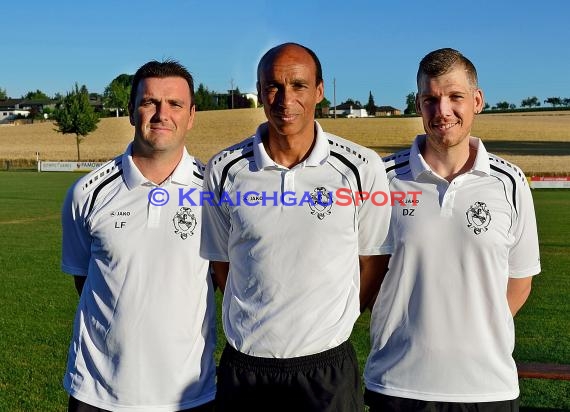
144	331
294	273
462	260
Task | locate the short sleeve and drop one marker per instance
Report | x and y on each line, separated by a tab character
76	240
524	257
374	217
387	247
215	220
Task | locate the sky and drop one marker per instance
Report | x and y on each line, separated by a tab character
520	48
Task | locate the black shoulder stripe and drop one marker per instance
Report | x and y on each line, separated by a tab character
199	166
240	146
397	166
512	179
199	176
101	172
351	166
227	169
101	186
397	155
348	150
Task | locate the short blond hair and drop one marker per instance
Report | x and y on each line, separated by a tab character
442	61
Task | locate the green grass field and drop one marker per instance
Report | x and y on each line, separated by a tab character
37	301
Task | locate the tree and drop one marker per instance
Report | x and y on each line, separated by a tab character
37	95
351	102
410	103
3	95
221	101
566	101
502	105
203	99
530	102
75	115
47	112
117	93
554	101
325	103
487	106
370	106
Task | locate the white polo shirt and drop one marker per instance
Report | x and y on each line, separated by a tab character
441	326
144	331
293	286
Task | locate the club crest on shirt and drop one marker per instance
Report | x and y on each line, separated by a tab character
478	217
322	202
184	222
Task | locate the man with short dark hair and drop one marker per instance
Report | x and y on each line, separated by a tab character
462	260
144	332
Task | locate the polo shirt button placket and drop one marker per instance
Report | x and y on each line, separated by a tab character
289	181
153	217
448	200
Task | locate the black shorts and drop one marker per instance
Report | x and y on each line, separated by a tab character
326	381
378	402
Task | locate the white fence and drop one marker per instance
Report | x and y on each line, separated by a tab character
44	166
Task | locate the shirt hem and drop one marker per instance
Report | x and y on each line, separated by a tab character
72	270
369	252
444	397
214	257
533	271
150	408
